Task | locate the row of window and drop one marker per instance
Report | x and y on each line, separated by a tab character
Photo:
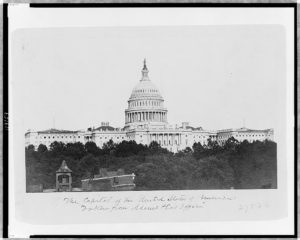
253	135
144	90
165	142
242	135
112	137
60	137
145	103
201	136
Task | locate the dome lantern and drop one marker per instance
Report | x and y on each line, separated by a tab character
145	72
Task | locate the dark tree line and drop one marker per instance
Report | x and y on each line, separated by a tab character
233	165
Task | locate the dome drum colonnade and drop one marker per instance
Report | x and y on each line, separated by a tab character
145	104
145	116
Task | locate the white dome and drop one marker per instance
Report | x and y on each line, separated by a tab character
145	105
145	89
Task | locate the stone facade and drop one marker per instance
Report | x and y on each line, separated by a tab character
146	121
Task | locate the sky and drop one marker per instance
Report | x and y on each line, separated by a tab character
217	77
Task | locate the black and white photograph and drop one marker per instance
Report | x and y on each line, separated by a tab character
138	106
97	121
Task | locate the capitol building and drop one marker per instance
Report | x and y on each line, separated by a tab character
146	120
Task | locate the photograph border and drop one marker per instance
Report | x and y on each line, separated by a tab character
143	5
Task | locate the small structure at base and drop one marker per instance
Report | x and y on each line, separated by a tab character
64	178
109	181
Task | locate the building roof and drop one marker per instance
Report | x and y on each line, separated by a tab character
105	128
64	168
53	130
243	129
192	128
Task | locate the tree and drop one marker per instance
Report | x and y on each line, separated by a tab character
213	146
231	144
42	148
30	148
198	150
75	150
91	147
212	173
150	176
109	147
187	150
155	147
57	148
239	165
89	166
128	148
